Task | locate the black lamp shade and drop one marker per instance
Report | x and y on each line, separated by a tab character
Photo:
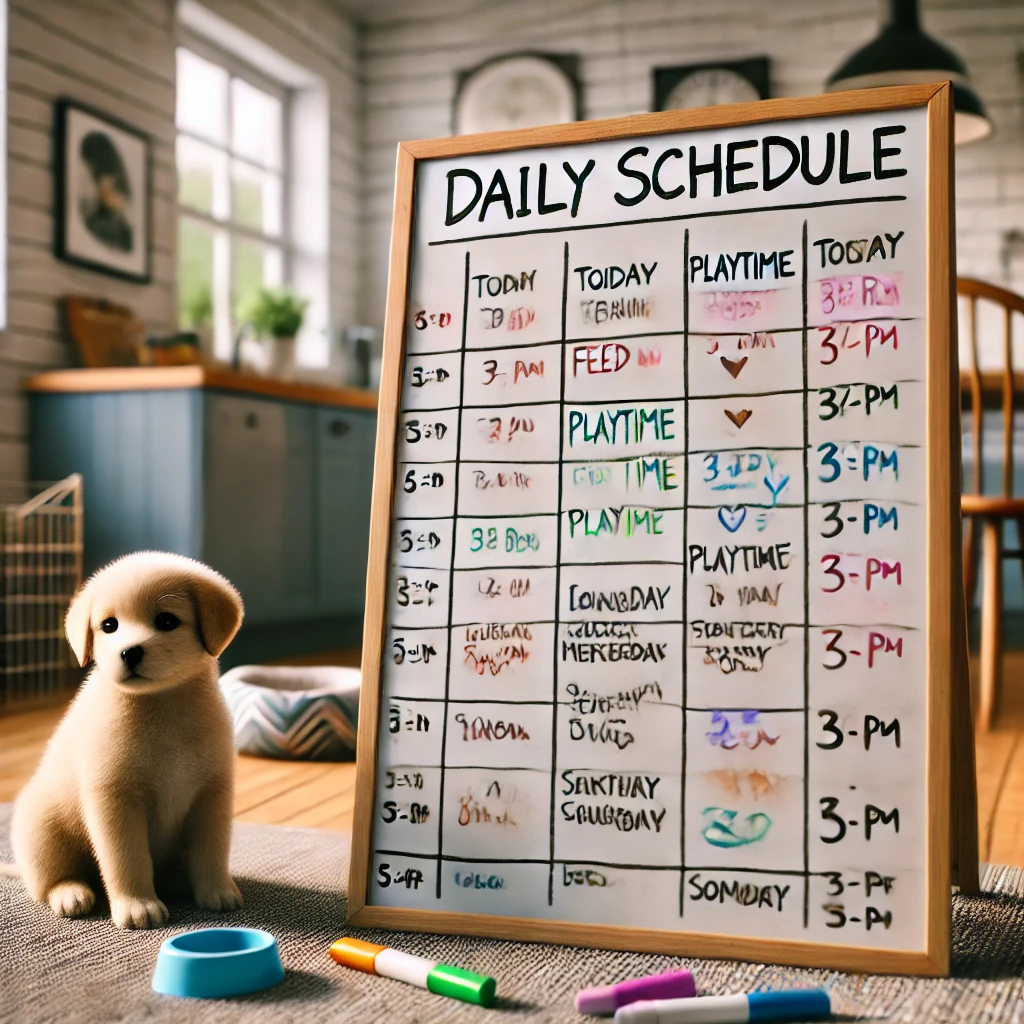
902	54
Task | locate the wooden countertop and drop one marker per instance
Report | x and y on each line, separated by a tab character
171	378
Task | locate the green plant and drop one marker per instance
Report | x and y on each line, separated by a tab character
197	308
274	311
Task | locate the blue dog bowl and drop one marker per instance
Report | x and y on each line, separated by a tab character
212	963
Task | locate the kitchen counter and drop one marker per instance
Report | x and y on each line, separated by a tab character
177	378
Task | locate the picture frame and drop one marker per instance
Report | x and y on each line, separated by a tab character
102	188
415	899
509	91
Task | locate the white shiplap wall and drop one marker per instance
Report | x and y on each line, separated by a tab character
118	56
412	53
115	56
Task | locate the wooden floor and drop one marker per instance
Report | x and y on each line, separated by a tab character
321	795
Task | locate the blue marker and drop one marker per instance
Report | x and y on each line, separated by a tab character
792	1005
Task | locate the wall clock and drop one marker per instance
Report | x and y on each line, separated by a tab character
517	91
710	84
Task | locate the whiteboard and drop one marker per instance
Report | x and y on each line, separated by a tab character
652	657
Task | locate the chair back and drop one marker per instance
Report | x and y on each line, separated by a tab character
996	377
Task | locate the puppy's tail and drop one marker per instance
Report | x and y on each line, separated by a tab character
10	870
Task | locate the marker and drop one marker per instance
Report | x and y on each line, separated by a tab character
604	1000
791	1005
415	970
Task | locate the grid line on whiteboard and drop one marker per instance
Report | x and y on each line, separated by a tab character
686	516
451	588
700	215
807	588
558	573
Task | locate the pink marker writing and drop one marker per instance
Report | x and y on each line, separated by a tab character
604	1000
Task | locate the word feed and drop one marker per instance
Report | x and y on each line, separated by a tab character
655	645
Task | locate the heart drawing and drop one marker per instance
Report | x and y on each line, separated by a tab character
732	518
734	365
739	418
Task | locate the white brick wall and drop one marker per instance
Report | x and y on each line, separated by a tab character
118	56
115	56
410	63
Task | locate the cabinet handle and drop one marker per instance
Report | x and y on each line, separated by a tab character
252	420
339	428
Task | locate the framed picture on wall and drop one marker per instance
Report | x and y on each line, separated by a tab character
102	187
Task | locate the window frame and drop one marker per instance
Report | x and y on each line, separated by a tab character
235	67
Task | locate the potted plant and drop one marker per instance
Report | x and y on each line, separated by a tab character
275	313
196	314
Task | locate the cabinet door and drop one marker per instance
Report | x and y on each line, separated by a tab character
258	503
345	441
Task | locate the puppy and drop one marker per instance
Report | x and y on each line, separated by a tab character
140	772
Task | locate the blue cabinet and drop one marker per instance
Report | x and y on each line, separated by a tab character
344	481
274	494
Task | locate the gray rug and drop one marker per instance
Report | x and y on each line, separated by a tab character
293	881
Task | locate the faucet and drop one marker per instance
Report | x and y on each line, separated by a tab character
240	335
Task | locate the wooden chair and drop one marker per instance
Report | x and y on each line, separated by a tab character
990	511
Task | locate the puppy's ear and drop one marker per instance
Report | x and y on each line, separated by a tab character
219	608
78	624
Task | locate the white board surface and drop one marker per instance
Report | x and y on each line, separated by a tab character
655	645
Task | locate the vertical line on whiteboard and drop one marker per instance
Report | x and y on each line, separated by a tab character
686	516
451	577
558	577
807	596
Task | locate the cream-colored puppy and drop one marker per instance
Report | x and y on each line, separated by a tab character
140	772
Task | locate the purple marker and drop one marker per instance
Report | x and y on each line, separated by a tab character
604	1000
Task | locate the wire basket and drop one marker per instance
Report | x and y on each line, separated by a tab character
40	570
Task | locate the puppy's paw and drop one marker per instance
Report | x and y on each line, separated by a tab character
221	894
131	912
71	899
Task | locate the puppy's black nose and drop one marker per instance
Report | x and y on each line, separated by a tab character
131	656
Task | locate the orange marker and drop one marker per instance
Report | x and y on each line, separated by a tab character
414	970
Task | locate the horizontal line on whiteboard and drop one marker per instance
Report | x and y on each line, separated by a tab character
694	334
541	622
625	866
711	397
655	508
702	215
470	700
581	340
594	508
761	710
657	622
517	568
750	706
797	330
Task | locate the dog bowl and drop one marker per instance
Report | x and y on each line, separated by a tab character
299	713
212	963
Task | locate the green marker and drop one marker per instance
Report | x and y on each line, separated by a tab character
415	970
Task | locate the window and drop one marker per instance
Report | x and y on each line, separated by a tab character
232	184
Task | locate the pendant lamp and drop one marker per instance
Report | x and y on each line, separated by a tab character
902	54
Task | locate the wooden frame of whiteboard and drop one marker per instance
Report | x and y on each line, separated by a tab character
945	652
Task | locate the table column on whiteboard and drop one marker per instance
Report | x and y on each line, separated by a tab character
868	553
746	614
618	753
406	832
497	756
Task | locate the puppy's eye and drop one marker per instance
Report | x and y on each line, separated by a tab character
109	625
166	621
